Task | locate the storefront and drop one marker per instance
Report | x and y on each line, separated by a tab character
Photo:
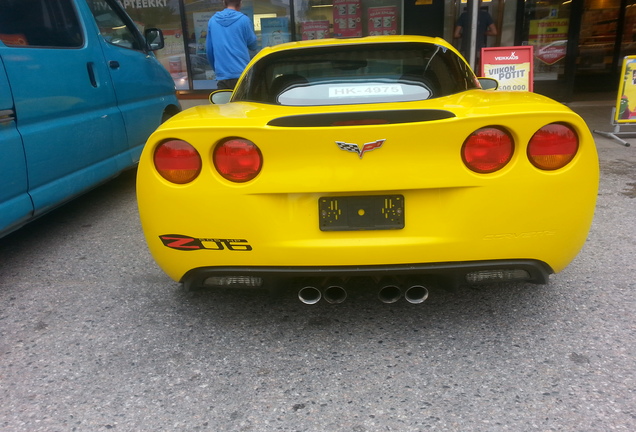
578	44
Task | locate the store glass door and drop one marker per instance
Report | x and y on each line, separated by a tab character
595	63
546	28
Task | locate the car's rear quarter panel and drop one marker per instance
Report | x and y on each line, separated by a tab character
451	213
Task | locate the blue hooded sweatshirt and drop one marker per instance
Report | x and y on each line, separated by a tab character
230	37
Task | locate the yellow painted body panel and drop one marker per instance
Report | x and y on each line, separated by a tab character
451	213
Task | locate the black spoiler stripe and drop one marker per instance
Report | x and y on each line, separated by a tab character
386	117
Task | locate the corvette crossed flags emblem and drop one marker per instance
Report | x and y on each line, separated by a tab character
355	148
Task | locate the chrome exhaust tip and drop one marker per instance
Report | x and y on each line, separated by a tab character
390	294
309	295
335	294
416	294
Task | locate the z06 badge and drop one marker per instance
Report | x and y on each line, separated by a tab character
188	243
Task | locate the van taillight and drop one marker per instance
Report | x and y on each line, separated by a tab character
487	150
553	146
237	159
177	161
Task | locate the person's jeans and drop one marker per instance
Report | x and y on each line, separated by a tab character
227	84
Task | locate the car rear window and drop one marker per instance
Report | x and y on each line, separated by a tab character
354	74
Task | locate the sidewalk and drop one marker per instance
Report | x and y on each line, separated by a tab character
598	116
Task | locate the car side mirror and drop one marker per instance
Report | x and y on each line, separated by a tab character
154	39
220	97
488	83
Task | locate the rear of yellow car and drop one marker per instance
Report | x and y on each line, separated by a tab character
451	213
473	187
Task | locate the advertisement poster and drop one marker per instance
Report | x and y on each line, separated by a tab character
173	58
550	37
347	18
626	101
382	20
311	30
201	30
510	66
274	31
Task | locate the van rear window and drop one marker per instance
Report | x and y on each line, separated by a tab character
40	23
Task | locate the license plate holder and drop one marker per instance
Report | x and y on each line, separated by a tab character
357	213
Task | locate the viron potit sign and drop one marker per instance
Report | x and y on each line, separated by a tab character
511	66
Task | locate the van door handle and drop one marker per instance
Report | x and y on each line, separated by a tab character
7	116
114	64
91	73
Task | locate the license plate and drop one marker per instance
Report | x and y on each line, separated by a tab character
355	213
365	90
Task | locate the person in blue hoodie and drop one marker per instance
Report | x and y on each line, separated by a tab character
229	41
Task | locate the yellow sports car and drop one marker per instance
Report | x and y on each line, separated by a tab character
381	159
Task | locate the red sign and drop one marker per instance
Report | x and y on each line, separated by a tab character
550	54
347	17
382	20
510	66
311	30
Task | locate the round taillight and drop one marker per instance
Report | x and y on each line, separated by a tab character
553	146
237	159
177	161
487	150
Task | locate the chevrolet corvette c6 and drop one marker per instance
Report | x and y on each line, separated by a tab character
382	159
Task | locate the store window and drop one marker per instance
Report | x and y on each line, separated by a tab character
184	24
598	36
271	25
607	35
628	42
165	15
319	19
603	27
546	28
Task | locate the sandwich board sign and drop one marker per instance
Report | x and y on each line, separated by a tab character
510	66
624	112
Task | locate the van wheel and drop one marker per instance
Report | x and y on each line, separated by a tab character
168	113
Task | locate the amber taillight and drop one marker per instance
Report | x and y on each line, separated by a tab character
553	146
177	161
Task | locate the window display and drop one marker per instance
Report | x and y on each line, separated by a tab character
318	19
271	25
546	25
598	35
547	31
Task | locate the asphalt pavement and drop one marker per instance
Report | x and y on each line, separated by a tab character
94	337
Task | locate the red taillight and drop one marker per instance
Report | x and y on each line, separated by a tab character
238	160
177	161
553	146
487	150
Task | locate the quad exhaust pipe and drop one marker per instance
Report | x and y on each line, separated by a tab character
416	294
335	294
390	291
332	291
309	295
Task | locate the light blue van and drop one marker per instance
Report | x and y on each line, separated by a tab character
80	92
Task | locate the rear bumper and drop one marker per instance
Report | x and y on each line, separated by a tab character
447	275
